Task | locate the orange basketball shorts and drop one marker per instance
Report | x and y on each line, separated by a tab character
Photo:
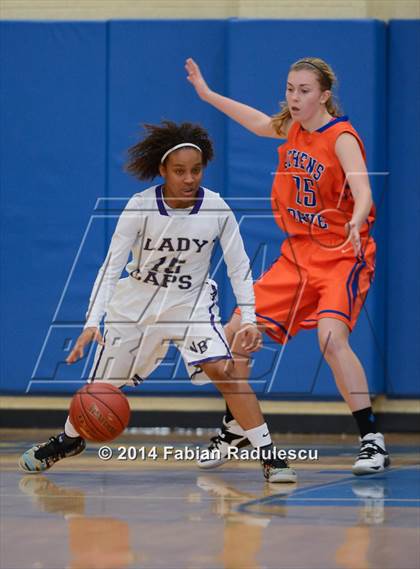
309	282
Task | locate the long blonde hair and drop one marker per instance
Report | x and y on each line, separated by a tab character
327	81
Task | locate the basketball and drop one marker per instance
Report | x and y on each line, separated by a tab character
99	412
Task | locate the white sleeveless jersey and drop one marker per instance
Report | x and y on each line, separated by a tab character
171	251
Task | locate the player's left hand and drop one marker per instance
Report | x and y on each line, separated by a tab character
196	78
89	334
251	337
354	236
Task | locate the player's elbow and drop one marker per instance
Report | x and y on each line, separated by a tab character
363	193
262	126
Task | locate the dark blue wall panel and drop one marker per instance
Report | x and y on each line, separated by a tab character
403	299
72	98
147	84
52	146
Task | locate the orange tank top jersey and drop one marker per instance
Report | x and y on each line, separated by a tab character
310	195
317	274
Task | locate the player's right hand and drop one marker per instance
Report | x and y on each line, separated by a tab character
354	237
88	335
251	337
196	78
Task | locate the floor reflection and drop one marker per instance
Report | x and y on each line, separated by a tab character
243	532
165	518
371	492
94	542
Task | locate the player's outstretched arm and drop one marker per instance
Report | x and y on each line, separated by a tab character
88	335
254	120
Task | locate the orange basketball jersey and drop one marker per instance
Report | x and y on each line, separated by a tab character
310	195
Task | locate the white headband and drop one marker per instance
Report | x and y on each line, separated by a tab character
176	148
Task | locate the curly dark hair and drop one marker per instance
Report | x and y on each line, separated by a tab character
145	156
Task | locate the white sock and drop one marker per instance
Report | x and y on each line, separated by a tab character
259	436
69	430
235	428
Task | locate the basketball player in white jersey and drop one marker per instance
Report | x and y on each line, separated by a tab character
167	234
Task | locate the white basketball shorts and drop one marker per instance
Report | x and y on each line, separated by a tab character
141	324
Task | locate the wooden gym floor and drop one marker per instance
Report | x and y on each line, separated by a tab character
91	514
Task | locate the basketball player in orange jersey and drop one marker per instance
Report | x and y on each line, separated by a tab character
322	200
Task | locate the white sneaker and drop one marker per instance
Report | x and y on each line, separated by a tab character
230	435
373	456
278	471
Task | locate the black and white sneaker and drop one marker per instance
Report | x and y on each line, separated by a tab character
373	456
41	457
278	471
230	435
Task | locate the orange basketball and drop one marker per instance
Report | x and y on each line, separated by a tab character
99	412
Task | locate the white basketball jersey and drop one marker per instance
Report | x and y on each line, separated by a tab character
171	251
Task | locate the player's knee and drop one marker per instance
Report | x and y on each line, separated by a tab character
218	372
332	344
228	386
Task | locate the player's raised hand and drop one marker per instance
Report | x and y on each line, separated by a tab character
88	335
196	78
251	337
354	237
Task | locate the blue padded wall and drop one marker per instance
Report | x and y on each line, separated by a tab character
147	84
52	101
403	299
269	48
71	98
